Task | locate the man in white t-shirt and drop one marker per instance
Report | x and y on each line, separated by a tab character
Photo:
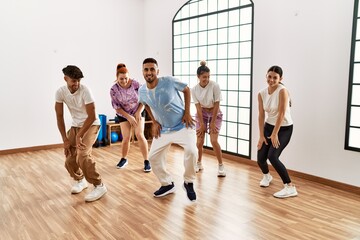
78	140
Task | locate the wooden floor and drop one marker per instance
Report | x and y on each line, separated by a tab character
35	203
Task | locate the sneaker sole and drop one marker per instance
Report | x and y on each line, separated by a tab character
287	196
121	166
76	192
222	175
186	194
166	193
147	170
94	199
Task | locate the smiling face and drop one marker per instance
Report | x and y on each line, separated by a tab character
273	79
204	79
123	79
72	84
150	72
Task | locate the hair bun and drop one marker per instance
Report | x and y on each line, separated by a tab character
202	63
120	65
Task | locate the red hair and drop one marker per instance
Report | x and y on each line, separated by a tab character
121	68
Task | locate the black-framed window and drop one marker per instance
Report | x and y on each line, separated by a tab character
220	32
352	138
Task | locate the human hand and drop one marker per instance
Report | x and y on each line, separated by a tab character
156	129
274	140
262	140
79	144
132	121
67	146
188	120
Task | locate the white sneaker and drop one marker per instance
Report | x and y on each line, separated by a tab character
96	194
79	186
199	167
221	171
266	180
287	191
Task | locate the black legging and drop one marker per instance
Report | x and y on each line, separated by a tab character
273	154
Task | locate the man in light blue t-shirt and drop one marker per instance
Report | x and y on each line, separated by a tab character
172	123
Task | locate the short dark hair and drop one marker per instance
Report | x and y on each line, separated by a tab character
150	60
73	72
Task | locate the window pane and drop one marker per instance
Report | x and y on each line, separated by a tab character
212	22
231	145
243	147
244	99
194	9
185	27
355	116
234	18
233	66
224	98
232	114
177	28
223	19
222	36
245	15
194	25
222	52
212	36
203	53
357	52
232	129
245	49
202	7
234	51
244	83
222	142
245	66
244	115
245	33
185	40
193	39
243	131
222	67
212	6
356	77
177	41
202	38
203	23
194	56
212	53
233	82
232	98
223	129
355	95
234	34
354	137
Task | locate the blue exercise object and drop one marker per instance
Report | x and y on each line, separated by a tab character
114	137
102	133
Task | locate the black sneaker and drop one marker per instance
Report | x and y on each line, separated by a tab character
122	163
165	190
189	188
147	167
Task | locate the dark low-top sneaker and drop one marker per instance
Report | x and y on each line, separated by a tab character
147	166
165	190
189	188
122	163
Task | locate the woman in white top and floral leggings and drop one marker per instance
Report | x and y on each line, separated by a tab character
276	131
207	96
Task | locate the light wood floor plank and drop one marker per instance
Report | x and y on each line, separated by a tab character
35	202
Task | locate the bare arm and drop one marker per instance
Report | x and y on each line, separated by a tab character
261	122
156	127
59	109
283	99
90	110
187	119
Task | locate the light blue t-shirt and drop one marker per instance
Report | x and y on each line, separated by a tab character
165	102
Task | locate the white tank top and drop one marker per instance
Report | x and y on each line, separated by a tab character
271	105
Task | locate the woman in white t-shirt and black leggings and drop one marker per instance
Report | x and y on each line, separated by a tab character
275	131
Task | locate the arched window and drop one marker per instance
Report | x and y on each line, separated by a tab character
352	138
220	32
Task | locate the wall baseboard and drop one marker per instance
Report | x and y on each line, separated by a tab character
29	149
331	183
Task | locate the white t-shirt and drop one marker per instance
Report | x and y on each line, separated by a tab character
76	103
271	106
206	96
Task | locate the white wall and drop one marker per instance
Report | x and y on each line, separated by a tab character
309	39
39	38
